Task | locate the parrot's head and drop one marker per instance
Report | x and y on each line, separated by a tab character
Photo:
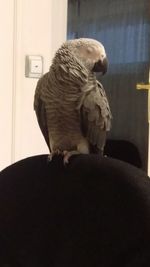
90	53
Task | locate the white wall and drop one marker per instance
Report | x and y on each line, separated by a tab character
6	79
39	29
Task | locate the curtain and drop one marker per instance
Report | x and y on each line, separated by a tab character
123	26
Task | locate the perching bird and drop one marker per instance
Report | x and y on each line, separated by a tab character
71	105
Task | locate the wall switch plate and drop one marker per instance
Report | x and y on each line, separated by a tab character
33	66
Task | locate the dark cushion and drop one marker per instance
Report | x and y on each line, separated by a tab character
123	150
92	212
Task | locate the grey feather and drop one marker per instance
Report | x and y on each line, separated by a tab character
71	106
39	107
96	116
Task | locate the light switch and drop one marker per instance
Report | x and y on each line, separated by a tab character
34	66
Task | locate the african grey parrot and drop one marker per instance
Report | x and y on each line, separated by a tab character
71	105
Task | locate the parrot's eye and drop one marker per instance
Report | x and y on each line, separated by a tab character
89	50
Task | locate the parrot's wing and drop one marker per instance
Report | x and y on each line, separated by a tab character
95	117
39	107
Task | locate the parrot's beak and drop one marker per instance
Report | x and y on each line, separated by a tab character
101	66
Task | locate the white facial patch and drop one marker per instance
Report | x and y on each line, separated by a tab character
88	51
93	52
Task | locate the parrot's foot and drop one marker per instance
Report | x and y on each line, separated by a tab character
68	154
54	153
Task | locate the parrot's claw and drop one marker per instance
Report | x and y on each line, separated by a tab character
52	154
68	154
49	157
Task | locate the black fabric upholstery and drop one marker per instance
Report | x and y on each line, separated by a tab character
123	150
93	212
